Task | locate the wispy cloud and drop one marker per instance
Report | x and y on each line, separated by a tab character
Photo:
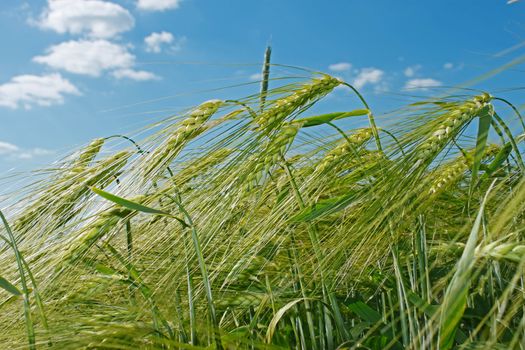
410	71
29	90
138	75
7	148
158	5
256	76
448	65
14	152
94	18
422	84
340	67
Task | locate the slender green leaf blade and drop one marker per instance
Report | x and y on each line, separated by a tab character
455	299
5	284
485	120
326	118
133	205
127	203
365	312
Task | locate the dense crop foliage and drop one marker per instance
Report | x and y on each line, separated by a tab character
235	225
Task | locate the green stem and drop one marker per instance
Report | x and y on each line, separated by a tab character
265	76
204	272
371	119
512	141
27	306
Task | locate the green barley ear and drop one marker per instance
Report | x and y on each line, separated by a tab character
93	232
200	165
450	124
89	153
272	153
282	108
69	188
188	129
510	251
449	173
345	147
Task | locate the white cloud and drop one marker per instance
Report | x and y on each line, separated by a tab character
256	76
87	57
30	90
411	71
422	84
448	65
139	75
6	147
340	67
158	5
30	153
368	76
155	41
95	18
13	152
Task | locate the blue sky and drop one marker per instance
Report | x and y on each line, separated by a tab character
73	70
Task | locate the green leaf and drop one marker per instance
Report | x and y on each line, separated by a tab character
502	155
277	317
103	269
455	299
428	309
485	120
365	312
9	287
133	205
322	208
326	118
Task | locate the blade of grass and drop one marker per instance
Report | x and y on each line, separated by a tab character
133	205
485	120
6	285
455	299
27	306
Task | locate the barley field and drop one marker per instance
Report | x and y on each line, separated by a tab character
254	223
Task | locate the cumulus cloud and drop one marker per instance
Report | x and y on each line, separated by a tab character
138	75
422	84
158	5
95	18
368	76
155	41
30	90
87	57
411	71
340	67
